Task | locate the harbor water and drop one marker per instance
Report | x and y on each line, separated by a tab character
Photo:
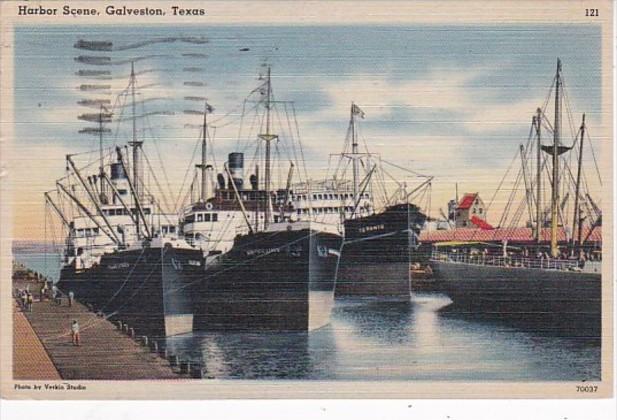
369	339
388	340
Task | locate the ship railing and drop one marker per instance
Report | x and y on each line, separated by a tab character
509	261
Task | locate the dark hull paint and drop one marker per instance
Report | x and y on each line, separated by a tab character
148	289
279	281
560	299
378	252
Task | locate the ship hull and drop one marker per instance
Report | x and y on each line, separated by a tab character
557	298
149	289
276	281
378	252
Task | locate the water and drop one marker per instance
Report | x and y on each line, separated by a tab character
47	264
369	339
385	340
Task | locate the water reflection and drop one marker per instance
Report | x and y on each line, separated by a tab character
389	340
258	355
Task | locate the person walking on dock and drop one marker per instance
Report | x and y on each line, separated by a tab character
56	295
75	333
29	301
43	292
24	299
71	297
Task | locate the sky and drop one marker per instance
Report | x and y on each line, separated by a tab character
450	102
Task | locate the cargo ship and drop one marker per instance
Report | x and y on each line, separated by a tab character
123	256
545	270
380	245
265	270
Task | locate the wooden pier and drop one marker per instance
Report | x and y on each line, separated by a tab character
105	351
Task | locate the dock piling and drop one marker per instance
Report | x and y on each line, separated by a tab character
185	367
196	371
173	360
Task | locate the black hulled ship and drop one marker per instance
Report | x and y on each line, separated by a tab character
280	278
264	271
551	272
123	257
378	252
380	246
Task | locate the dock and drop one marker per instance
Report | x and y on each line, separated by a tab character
43	348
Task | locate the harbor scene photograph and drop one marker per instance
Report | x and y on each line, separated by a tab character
240	203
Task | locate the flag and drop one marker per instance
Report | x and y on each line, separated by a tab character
355	110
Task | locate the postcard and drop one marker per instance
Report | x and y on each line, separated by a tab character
294	200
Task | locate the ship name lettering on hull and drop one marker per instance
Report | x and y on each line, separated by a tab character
118	266
372	228
262	251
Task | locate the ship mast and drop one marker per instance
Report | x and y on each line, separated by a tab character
355	156
268	137
136	145
539	223
102	194
577	210
354	152
202	166
555	153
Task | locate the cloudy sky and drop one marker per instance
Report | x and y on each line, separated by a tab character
452	102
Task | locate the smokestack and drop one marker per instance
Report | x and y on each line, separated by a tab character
236	168
117	172
221	180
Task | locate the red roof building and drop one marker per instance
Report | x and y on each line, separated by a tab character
467	201
517	235
470	212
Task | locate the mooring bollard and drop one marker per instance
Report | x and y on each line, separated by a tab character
154	347
185	367
132	332
196	371
119	323
173	360
125	328
145	340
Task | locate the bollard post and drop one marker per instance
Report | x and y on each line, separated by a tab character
145	340
119	323
154	347
132	332
185	367
196	371
173	360
125	328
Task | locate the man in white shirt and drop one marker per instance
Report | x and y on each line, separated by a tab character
75	332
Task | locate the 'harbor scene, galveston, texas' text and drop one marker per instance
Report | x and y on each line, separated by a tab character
293	203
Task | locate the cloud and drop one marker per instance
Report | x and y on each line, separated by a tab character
439	90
